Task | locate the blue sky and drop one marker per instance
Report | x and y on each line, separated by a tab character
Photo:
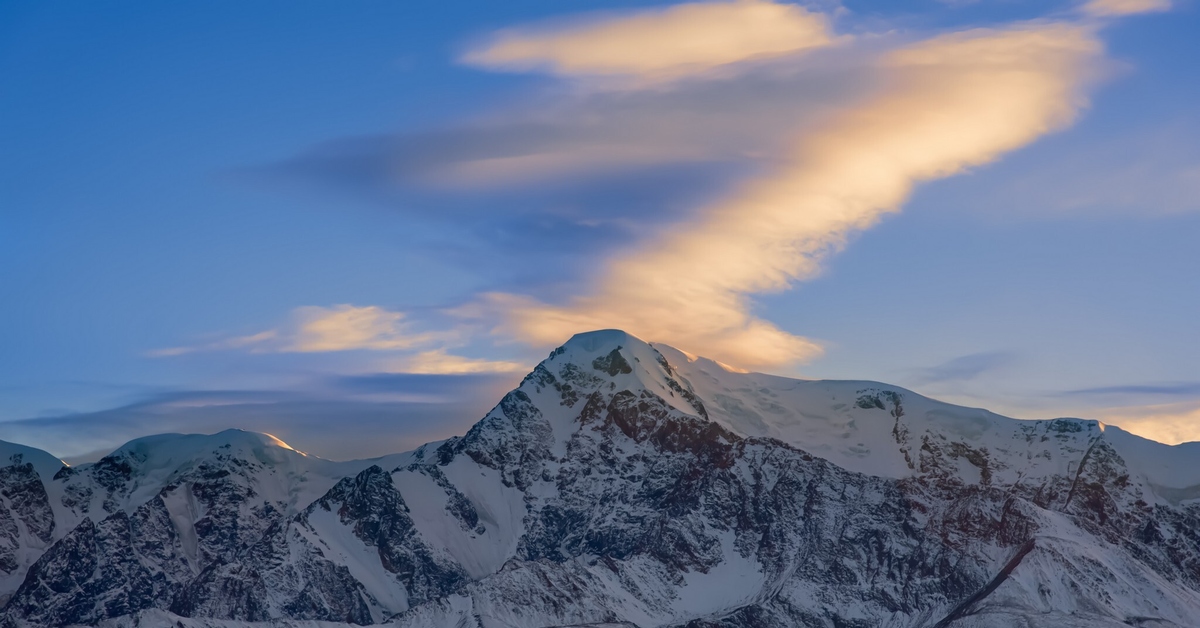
283	216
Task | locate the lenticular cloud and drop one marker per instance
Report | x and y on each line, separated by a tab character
941	106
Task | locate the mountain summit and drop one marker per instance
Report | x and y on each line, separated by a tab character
625	484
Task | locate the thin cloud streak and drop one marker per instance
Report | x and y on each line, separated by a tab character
1117	8
315	329
224	344
1165	389
440	362
965	368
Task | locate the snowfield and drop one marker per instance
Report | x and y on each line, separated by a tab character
623	484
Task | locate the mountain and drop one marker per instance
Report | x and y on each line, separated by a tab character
624	484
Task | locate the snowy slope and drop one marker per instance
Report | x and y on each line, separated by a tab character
629	484
840	421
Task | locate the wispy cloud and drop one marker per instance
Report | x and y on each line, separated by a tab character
438	361
1112	8
659	43
1171	389
224	344
719	117
315	329
347	328
965	368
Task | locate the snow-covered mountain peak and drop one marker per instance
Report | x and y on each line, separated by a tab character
598	365
166	450
43	461
601	341
864	426
611	354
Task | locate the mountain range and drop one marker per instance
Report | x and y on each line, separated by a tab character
623	484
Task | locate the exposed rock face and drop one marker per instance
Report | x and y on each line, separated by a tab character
28	524
25	515
123	564
628	485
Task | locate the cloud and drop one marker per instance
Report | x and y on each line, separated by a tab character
438	361
809	150
965	368
1162	390
678	40
443	388
1170	423
316	329
945	105
591	134
548	185
498	152
375	414
224	344
1113	8
347	328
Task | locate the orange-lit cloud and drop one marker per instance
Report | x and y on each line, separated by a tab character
315	329
945	105
346	328
440	362
1112	8
1169	423
678	40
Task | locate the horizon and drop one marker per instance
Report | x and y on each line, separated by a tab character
280	218
94	456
